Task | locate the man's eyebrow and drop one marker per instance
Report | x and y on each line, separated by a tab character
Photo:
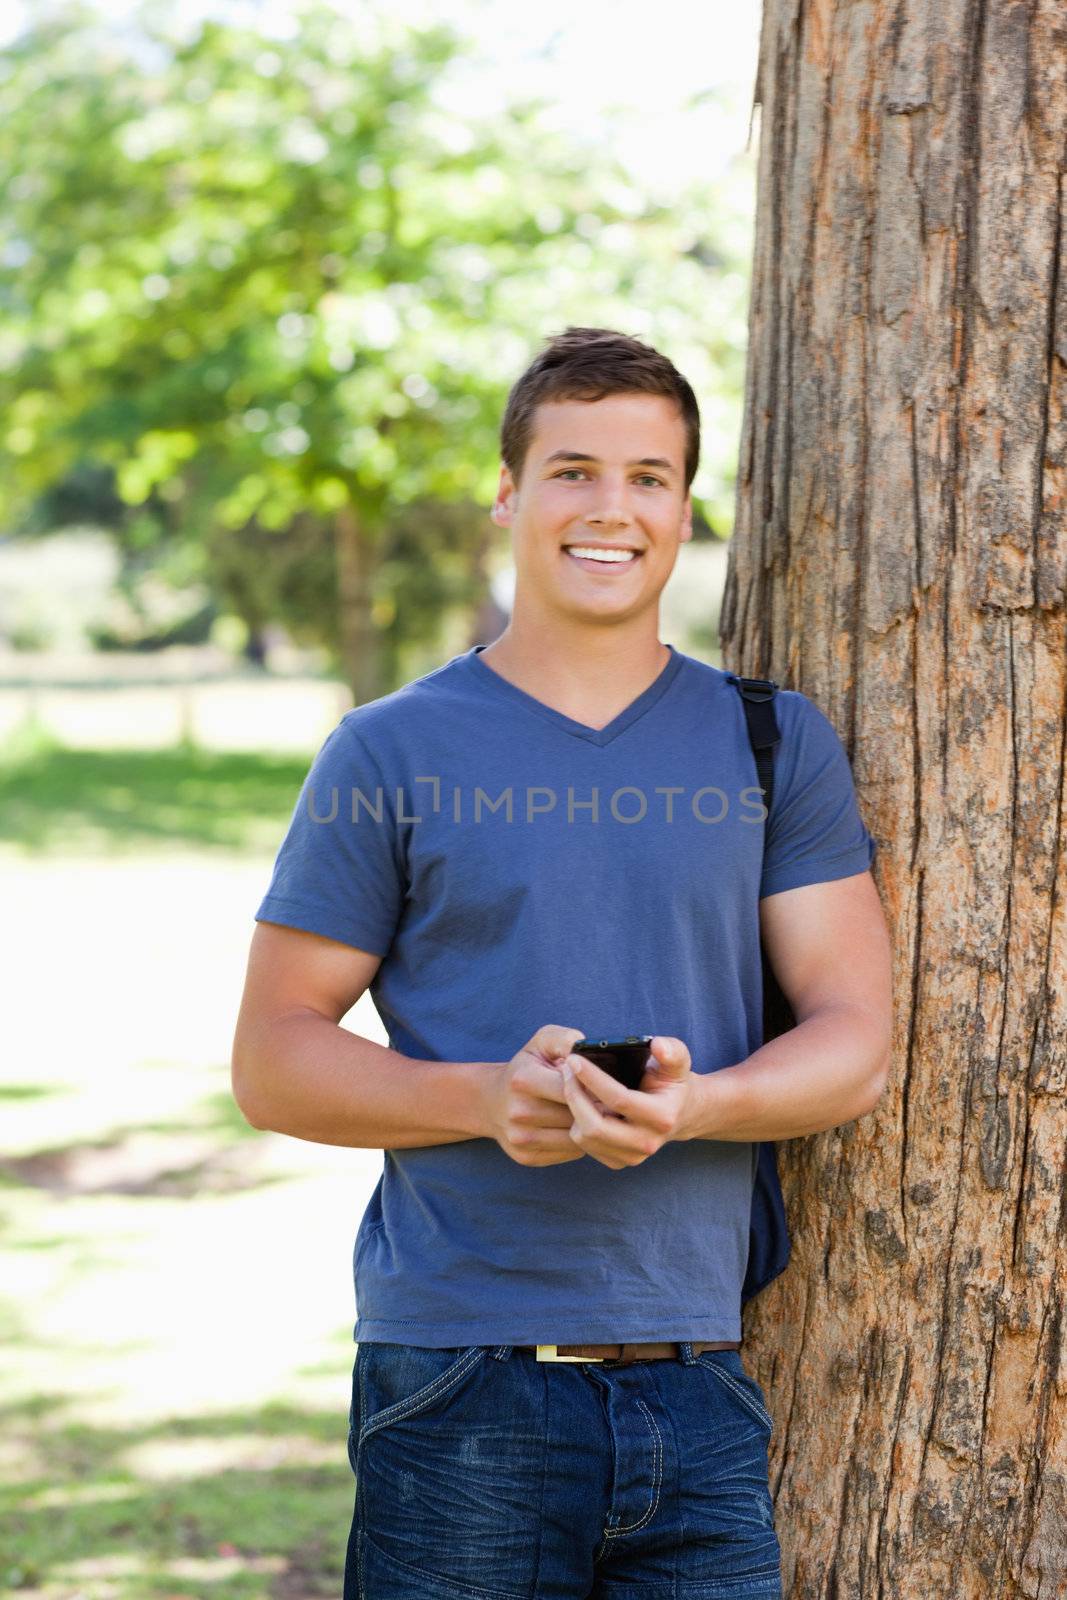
578	455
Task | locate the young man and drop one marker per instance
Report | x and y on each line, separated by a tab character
554	836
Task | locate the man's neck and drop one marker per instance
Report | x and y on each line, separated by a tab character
591	677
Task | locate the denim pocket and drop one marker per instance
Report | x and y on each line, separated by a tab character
398	1381
729	1369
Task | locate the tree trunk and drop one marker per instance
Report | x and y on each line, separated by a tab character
355	553
488	620
255	650
900	555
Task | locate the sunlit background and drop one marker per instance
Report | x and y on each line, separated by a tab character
266	275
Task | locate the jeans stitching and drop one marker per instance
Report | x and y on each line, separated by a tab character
771	1585
544	1477
361	1540
425	1396
747	1400
608	1530
657	1469
450	1583
362	1397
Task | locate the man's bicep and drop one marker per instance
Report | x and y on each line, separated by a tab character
291	970
828	944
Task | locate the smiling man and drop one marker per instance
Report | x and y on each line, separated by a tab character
595	530
556	835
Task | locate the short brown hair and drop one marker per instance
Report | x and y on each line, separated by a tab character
587	364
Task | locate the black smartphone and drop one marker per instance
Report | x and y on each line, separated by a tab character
623	1059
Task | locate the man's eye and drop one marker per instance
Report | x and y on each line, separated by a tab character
648	478
567	471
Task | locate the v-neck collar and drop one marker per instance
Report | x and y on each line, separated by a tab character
491	679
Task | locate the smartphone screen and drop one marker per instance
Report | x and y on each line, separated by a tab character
624	1060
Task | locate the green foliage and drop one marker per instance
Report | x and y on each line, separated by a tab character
116	802
261	283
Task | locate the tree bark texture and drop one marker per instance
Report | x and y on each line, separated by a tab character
900	555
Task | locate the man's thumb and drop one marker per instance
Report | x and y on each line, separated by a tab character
669	1057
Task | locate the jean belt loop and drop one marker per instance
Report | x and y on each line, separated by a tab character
686	1348
501	1352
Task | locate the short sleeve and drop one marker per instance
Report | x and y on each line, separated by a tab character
337	872
815	833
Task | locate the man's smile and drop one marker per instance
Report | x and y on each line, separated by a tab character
602	558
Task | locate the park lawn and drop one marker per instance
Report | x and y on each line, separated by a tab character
85	1523
116	801
176	1302
121	1474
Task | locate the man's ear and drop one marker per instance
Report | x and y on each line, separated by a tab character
504	504
686	532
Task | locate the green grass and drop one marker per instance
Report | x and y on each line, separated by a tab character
241	1502
57	800
130	1469
85	1524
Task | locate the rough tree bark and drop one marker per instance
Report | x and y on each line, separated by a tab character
900	555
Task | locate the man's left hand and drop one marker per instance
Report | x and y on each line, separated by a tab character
623	1127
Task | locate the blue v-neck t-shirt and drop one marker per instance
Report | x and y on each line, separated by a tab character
514	867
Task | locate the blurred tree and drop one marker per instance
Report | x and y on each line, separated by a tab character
281	293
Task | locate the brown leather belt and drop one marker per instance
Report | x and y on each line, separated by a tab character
622	1354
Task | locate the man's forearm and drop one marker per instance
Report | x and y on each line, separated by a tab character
308	1077
828	1070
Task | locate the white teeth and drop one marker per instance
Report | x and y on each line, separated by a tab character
601	555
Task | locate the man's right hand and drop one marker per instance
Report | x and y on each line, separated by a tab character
526	1109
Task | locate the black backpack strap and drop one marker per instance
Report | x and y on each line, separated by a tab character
757	695
769	1245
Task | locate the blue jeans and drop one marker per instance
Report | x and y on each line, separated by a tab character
484	1474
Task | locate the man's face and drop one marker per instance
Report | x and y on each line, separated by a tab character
598	473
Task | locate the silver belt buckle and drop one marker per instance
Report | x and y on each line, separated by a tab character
547	1352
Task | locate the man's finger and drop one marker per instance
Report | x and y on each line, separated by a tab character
544	1116
548	1139
554	1041
633	1104
610	1132
670	1056
587	1119
546	1082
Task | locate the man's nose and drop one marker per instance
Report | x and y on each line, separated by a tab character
611	509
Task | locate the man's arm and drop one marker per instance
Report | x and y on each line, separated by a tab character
829	946
294	1070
